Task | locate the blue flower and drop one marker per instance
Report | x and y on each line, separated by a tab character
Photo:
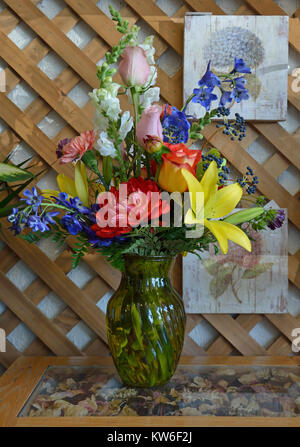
33	198
48	218
37	224
240	94
175	126
13	217
209	79
240	66
73	204
240	82
225	97
72	224
204	96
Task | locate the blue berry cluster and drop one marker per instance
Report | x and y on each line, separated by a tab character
246	180
236	128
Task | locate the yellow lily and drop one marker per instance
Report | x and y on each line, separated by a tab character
79	187
217	204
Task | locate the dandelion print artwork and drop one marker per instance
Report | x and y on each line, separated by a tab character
261	42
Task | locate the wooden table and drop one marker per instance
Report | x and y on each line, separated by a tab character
20	380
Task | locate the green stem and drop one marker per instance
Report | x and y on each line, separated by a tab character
137	158
187	101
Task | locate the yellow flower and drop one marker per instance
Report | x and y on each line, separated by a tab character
217	204
79	187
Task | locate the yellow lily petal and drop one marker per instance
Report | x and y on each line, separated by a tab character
194	187
190	218
81	183
217	230
223	201
209	181
224	231
48	193
66	184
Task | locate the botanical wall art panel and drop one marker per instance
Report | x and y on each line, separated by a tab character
262	42
239	282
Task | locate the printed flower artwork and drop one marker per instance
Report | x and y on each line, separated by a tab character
193	391
239	281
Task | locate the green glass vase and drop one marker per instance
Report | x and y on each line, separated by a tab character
146	322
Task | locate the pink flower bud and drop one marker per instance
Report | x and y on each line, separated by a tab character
152	144
134	68
150	124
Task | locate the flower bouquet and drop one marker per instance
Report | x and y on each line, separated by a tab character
141	196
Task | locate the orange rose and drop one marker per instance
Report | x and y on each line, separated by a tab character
181	157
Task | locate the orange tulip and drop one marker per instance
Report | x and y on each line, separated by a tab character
181	157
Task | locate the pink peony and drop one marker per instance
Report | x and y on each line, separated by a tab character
71	150
134	68
149	124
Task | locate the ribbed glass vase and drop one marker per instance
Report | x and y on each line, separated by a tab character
146	322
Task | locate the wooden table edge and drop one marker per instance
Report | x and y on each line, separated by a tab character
18	375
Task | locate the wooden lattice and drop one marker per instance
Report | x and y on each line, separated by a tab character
51	335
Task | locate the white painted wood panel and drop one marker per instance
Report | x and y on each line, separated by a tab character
262	41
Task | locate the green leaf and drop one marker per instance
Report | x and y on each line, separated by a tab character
211	266
219	285
90	160
257	270
107	169
11	173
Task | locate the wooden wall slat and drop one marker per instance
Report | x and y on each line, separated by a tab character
52	275
56	39
35	319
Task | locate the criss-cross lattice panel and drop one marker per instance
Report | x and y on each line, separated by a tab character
48	51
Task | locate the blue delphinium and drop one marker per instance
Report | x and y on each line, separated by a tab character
71	223
209	79
240	66
204	96
32	198
73	203
175	126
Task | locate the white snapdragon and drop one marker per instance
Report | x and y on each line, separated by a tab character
106	101
105	146
149	49
126	125
150	96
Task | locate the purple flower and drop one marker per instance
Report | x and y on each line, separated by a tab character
240	94
240	82
33	198
48	218
37	224
60	146
240	66
13	217
72	224
204	96
209	79
225	97
73	204
175	126
277	221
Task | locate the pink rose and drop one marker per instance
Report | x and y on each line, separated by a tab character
149	124
71	150
134	68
